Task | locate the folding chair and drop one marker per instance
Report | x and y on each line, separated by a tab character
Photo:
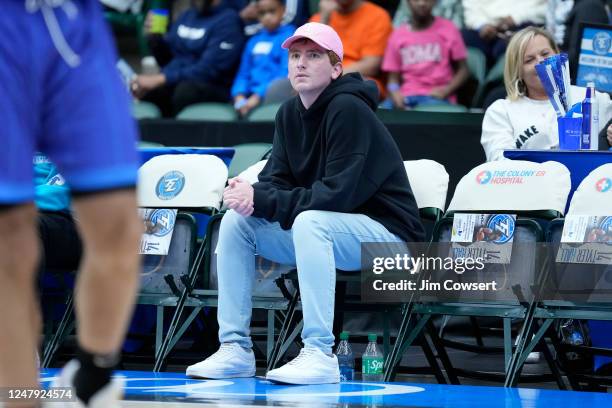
169	181
247	154
429	182
204	293
576	285
541	192
264	113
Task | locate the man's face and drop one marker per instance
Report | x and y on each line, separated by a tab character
310	69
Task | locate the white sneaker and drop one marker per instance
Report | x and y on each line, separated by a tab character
230	361
108	396
311	366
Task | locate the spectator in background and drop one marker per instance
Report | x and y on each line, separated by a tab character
563	21
526	119
263	59
425	59
449	9
60	240
364	29
199	56
296	13
489	23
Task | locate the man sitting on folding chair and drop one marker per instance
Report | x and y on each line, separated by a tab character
335	179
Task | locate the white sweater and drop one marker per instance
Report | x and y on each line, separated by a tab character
480	12
529	124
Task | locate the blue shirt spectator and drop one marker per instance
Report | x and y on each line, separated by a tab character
199	56
263	61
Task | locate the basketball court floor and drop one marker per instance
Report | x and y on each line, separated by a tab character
168	390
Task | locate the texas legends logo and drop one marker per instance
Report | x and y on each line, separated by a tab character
170	185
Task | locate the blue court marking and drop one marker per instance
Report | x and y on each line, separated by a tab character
146	386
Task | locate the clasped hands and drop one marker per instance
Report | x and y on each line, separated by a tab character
238	196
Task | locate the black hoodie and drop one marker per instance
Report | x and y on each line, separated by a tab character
337	156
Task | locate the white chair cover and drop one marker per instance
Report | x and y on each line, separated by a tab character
594	194
182	180
513	185
429	182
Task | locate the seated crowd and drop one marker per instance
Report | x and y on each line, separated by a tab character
229	51
324	193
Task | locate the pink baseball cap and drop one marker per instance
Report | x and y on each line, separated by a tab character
322	34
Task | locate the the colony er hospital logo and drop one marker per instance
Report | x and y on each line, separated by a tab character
601	43
483	177
603	185
170	185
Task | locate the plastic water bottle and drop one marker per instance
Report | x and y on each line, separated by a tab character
346	359
372	361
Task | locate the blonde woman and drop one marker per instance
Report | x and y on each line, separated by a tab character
526	119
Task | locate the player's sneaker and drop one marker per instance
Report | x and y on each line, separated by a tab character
108	396
230	361
311	366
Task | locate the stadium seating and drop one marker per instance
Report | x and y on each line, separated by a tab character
264	113
582	292
209	111
247	154
481	191
166	279
145	110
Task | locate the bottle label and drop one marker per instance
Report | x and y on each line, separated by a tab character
346	374
372	365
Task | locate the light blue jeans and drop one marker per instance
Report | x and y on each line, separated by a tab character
318	243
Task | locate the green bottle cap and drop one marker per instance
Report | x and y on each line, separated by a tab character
372	337
344	335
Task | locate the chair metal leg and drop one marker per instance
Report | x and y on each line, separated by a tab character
178	312
390	361
431	359
60	334
442	354
525	347
282	335
400	347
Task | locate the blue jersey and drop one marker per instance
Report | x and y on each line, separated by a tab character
62	96
205	48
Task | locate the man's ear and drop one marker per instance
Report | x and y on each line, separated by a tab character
337	71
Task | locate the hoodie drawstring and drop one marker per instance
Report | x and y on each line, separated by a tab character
59	41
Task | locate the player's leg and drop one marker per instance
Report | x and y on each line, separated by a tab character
19	315
19	249
89	134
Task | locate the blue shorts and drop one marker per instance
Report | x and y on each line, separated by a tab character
78	116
